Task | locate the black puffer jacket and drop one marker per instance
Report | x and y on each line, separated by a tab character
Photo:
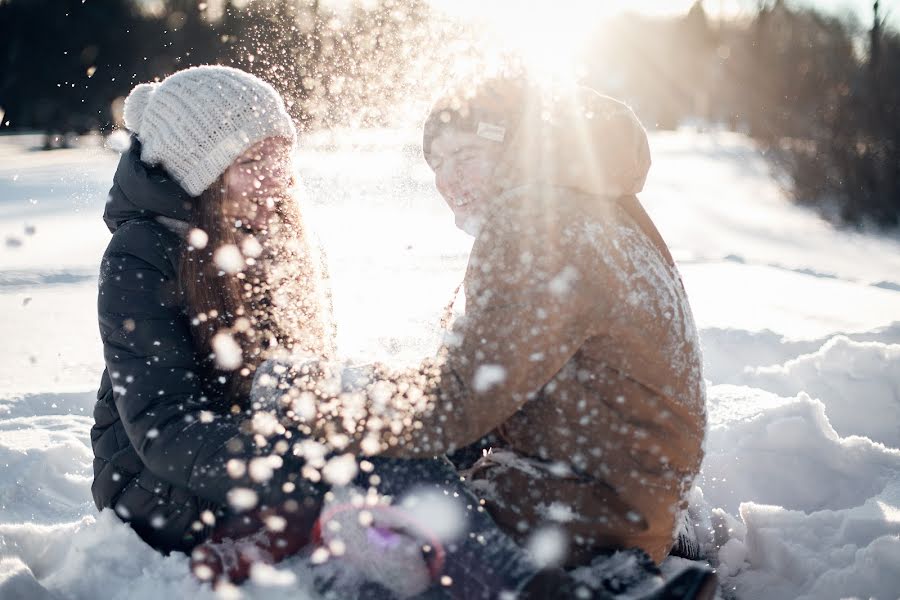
163	433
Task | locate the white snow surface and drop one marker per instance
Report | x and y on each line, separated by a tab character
799	496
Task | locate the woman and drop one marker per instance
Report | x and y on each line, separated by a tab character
208	250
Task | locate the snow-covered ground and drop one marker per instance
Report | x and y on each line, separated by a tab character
800	491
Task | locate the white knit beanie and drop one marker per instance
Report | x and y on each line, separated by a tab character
196	122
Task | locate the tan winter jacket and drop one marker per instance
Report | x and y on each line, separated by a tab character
577	345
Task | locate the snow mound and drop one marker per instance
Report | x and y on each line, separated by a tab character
855	381
79	559
770	450
826	554
800	489
729	353
47	462
788	508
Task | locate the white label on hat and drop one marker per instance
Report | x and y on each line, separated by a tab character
495	133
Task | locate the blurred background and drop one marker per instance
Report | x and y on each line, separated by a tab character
815	84
775	137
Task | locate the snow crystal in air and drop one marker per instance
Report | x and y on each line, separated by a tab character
275	523
229	258
548	546
228	353
444	515
251	247
305	406
203	572
340	470
265	424
119	141
235	468
198	238
319	555
487	377
370	445
242	499
263	467
312	451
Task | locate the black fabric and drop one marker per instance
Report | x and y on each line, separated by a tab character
483	561
162	431
140	190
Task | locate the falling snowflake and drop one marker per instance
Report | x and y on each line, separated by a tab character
242	499
548	546
228	352
198	239
487	377
229	259
340	470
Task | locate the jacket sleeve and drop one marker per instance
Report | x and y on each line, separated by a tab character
527	313
149	355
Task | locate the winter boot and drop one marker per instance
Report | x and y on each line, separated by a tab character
694	583
686	543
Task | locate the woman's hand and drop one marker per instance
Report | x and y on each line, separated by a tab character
257	537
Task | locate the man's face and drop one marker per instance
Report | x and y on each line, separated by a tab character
464	174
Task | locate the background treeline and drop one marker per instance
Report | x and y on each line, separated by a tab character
822	94
66	65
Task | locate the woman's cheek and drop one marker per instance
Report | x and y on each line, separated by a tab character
233	181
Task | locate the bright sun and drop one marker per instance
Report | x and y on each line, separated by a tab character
546	35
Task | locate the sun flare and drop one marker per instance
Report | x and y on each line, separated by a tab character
546	36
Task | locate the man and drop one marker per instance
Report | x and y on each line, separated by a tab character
577	346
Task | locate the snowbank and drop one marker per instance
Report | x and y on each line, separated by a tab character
800	491
859	383
819	513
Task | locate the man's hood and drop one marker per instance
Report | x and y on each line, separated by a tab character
577	139
143	191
